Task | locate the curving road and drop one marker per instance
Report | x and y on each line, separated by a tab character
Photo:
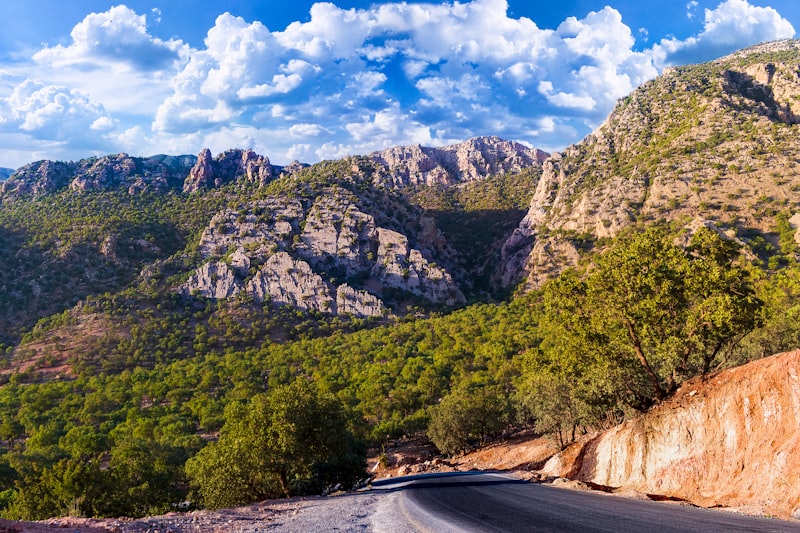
487	502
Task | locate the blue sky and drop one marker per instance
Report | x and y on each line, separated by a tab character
311	81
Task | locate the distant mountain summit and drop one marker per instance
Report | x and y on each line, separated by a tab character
396	167
120	171
458	163
713	144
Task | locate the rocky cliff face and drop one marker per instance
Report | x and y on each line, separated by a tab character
136	174
397	167
468	161
730	440
328	255
209	173
716	142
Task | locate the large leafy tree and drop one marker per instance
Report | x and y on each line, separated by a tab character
468	416
649	314
291	440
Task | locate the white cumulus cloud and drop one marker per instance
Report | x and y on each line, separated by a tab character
346	81
50	112
732	25
116	37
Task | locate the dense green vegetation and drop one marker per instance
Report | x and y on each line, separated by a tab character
477	217
291	440
58	249
115	439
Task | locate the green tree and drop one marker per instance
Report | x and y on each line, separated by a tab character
650	313
468	416
291	440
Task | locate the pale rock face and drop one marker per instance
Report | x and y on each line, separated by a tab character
211	172
467	161
337	233
795	222
517	259
733	440
278	250
350	301
287	281
259	229
240	262
212	280
399	266
202	174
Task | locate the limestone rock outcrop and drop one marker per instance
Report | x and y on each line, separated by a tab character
212	280
327	254
338	234
731	439
260	228
350	301
288	281
418	165
228	166
399	266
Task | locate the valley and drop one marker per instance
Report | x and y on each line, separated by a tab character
157	311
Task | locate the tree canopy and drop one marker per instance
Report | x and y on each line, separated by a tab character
291	440
649	313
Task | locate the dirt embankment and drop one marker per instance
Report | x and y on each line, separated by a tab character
524	452
731	439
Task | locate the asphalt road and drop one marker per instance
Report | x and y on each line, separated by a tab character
487	502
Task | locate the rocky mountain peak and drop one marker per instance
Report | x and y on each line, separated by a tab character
467	161
228	166
115	171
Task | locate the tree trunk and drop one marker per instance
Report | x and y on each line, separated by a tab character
284	483
637	345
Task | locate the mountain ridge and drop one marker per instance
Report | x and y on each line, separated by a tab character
713	141
339	255
401	166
